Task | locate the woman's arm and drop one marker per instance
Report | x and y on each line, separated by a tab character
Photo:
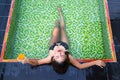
36	62
75	63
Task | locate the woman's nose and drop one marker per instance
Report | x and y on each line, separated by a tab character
61	54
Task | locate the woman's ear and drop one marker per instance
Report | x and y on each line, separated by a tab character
66	50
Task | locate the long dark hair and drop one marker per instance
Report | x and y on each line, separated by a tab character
61	67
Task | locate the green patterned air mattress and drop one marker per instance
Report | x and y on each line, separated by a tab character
33	21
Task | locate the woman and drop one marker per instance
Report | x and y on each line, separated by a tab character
59	56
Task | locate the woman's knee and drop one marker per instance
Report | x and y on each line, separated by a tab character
55	31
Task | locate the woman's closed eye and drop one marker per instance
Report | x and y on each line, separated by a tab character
63	56
56	57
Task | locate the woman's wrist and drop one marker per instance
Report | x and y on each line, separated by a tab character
27	60
95	62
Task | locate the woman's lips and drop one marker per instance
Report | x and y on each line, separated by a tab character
59	51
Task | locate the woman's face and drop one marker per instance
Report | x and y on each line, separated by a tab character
59	56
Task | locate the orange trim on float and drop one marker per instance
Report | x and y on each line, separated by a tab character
7	30
110	31
9	60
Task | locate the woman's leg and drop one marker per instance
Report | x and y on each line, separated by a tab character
62	27
55	33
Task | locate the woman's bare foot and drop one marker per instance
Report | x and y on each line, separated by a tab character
60	10
62	22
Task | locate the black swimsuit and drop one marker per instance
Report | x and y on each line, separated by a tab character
61	43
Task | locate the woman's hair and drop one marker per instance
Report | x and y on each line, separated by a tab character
61	67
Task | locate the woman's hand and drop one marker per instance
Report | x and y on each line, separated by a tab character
100	63
23	61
